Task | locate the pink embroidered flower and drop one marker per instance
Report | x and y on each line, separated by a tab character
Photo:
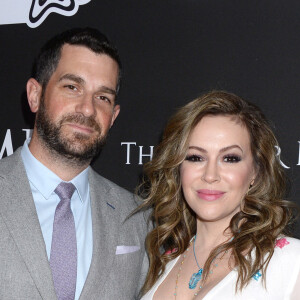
170	251
281	243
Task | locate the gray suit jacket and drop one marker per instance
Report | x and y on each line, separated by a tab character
24	266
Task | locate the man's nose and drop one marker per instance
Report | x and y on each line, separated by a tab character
86	106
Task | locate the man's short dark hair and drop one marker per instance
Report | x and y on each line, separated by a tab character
50	53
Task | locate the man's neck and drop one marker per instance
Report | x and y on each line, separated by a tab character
63	167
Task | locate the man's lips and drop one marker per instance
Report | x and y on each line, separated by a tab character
210	195
81	127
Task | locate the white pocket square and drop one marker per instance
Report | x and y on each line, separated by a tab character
126	249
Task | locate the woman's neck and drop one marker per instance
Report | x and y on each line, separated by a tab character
211	234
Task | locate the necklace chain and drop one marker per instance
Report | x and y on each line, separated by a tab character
196	277
194	251
180	268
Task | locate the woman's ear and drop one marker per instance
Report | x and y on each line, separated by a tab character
34	92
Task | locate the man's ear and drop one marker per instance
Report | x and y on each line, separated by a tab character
34	92
115	114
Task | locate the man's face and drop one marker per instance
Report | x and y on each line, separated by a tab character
77	107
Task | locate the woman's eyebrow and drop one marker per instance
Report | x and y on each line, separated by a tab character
221	150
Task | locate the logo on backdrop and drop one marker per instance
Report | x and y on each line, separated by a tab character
34	12
133	153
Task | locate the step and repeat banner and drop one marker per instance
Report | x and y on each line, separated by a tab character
172	51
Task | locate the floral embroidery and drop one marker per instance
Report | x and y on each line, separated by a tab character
170	251
281	243
257	275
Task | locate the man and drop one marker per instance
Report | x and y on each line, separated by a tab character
64	231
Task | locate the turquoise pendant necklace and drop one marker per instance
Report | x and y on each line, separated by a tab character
196	277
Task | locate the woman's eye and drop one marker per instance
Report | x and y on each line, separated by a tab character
194	158
232	158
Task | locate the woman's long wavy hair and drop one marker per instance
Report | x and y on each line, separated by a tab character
264	216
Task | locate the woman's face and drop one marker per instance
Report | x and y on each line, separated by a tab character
218	168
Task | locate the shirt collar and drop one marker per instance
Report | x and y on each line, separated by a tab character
45	180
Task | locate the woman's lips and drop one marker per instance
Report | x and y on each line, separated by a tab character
210	195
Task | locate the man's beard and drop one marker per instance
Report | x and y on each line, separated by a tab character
79	147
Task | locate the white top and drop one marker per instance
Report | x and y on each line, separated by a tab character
282	278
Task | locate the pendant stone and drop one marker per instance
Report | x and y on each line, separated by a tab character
196	277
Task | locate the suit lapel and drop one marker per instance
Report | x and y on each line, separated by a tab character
106	222
19	214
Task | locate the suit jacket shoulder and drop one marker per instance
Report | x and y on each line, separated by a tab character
12	164
24	267
118	264
120	197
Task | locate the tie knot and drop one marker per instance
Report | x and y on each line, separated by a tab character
65	190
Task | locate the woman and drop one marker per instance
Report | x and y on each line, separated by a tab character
217	189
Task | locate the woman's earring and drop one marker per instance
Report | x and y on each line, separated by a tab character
250	187
243	201
243	205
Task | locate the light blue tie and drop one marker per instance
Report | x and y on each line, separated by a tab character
63	256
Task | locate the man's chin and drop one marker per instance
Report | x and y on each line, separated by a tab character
78	148
81	150
79	141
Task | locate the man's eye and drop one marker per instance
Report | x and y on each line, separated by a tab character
194	158
71	87
232	158
104	98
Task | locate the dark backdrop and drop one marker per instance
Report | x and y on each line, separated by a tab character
172	51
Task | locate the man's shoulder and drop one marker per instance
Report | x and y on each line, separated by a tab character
7	164
108	184
123	200
124	196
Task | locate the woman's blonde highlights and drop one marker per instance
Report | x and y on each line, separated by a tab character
264	217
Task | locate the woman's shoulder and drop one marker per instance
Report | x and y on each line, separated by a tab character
287	244
284	267
287	250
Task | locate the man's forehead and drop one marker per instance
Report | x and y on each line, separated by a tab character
72	54
80	50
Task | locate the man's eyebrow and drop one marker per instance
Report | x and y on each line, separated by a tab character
108	90
221	150
72	77
79	80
